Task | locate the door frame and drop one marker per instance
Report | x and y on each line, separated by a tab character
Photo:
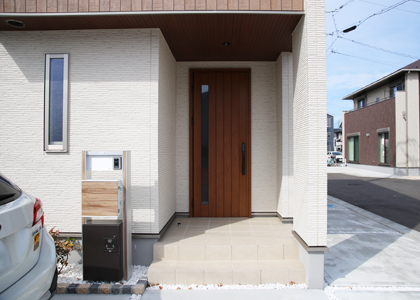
191	134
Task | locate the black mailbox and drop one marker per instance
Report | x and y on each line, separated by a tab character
102	250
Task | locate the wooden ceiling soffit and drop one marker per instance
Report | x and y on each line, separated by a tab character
191	37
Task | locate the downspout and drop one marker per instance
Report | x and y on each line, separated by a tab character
406	125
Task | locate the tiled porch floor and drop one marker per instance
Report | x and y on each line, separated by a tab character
227	251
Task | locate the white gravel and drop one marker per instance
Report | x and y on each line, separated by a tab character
277	286
73	273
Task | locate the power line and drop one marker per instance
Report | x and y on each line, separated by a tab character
368	59
388	8
404	10
334	33
377	48
339	8
381	12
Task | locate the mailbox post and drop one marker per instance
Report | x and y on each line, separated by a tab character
106	215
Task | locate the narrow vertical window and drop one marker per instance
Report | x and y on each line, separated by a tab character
205	144
353	145
384	148
56	102
361	103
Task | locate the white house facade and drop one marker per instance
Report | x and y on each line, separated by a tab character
125	89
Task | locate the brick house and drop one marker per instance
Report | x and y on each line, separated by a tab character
147	76
382	131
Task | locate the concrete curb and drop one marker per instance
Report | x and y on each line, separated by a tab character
106	288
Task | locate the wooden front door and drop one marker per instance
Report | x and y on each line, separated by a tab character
220	143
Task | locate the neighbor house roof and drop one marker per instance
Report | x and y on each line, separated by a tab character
415	66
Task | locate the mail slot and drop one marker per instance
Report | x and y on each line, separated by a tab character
102	250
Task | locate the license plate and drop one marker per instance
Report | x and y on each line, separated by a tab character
36	241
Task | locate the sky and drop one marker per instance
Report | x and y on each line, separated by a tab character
351	66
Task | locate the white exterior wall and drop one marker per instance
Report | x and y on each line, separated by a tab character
407	137
113	105
400	130
309	119
285	134
167	132
263	133
381	93
412	90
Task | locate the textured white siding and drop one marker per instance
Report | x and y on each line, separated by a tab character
381	93
113	105
263	133
309	119
401	130
407	103
285	134
412	91
167	133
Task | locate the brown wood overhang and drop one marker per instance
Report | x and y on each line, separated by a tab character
190	36
74	6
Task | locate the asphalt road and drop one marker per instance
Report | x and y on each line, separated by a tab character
395	199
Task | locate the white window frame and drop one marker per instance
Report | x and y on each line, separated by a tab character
64	146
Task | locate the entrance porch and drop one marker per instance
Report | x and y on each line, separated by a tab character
224	251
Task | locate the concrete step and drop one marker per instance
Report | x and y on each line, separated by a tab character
242	249
226	272
227	251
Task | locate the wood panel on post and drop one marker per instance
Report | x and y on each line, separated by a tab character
100	198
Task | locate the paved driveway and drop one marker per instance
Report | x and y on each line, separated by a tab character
395	199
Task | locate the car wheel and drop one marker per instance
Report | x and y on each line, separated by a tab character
53	287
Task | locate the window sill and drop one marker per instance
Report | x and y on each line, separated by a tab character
352	162
55	151
384	165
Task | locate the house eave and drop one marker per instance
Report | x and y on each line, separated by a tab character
116	13
191	35
383	81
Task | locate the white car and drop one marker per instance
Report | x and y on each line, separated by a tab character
27	252
335	154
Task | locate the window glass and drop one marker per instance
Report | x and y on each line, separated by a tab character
351	148
356	148
384	148
353	144
392	90
205	144
56	101
8	190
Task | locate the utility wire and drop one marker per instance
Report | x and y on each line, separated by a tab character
381	12
339	8
334	34
404	10
377	48
368	59
394	6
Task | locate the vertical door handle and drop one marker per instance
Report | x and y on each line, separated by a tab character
243	158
